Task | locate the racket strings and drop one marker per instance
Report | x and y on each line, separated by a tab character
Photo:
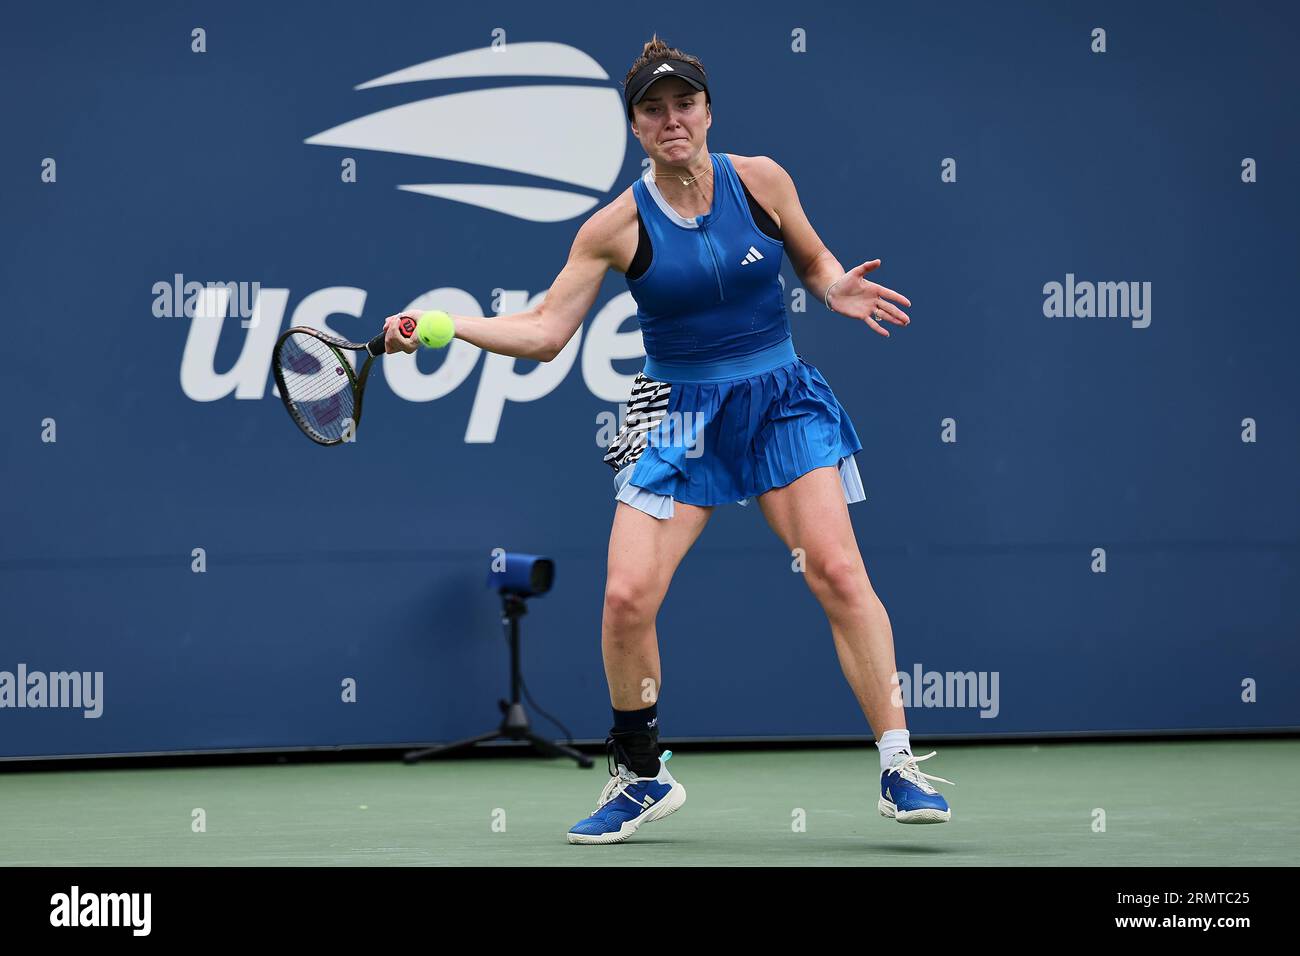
319	388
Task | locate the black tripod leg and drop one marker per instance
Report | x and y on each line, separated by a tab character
552	749
444	749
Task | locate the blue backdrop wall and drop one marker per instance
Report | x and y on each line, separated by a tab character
983	151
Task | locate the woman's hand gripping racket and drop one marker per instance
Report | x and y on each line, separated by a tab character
317	383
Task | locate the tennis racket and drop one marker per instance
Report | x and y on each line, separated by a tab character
317	383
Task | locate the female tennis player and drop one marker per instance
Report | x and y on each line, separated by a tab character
724	411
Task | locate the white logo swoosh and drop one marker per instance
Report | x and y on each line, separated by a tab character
551	131
567	133
513	59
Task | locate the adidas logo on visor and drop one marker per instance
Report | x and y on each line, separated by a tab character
665	68
753	256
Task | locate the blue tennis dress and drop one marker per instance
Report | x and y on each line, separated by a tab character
724	409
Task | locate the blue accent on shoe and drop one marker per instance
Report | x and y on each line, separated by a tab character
906	794
627	802
635	800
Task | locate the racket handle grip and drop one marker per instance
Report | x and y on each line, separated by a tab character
376	345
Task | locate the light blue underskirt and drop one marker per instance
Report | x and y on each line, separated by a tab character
661	506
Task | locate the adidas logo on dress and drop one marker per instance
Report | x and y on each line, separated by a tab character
753	256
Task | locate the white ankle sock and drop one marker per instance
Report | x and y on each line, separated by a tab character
893	742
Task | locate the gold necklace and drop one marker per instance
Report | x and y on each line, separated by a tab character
687	182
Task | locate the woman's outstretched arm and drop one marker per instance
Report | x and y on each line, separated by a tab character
541	332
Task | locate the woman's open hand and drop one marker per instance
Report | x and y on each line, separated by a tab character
856	297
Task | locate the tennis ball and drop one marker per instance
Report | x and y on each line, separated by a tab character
435	328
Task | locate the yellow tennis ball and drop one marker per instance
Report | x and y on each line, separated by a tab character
435	328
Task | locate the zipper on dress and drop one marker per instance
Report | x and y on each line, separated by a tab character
705	231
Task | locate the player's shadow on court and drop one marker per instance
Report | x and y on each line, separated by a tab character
904	849
848	847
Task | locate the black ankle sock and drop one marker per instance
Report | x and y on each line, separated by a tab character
628	721
635	740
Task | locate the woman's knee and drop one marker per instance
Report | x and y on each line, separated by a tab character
840	577
631	600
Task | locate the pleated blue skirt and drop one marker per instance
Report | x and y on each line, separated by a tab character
730	431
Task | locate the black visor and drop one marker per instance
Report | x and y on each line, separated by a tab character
644	78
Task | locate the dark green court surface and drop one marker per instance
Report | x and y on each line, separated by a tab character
1226	803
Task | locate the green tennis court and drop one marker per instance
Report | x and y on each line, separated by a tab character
1175	803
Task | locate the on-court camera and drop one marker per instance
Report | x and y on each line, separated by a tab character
527	575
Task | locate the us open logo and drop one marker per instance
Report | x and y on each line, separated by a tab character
571	134
571	137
